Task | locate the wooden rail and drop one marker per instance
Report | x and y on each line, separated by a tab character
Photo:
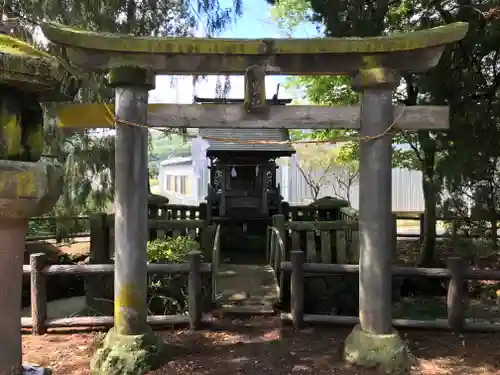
458	272
349	213
324	241
185	213
53	225
276	253
215	262
180	212
38	271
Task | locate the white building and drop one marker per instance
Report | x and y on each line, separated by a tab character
180	183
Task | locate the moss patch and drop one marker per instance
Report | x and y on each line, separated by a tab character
72	37
387	353
127	355
30	69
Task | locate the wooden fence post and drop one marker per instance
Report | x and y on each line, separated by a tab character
269	254
394	234
207	237
297	288
152	214
422	228
456	293
99	239
341	256
194	290
38	294
354	246
99	288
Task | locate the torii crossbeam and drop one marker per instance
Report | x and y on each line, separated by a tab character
78	116
375	65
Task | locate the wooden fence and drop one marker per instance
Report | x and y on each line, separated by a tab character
299	265
180	212
458	272
39	322
102	233
99	290
50	227
293	213
454	222
324	241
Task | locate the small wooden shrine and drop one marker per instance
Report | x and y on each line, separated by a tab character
243	191
243	181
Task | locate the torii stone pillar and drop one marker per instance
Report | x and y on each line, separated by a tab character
26	189
130	346
374	342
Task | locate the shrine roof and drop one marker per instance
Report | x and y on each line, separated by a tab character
245	135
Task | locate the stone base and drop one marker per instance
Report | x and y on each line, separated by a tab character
387	353
127	355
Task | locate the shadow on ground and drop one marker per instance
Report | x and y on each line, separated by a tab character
260	346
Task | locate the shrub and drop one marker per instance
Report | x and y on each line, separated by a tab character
171	249
167	293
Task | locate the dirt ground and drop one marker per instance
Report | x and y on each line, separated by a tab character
261	346
78	247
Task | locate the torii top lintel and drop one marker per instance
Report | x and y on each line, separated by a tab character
407	52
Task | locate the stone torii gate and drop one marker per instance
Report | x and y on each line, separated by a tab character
374	64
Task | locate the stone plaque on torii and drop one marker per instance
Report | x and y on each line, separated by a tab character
375	65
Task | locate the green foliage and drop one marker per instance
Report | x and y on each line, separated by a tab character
153	171
289	14
171	250
464	161
164	146
88	156
326	90
167	293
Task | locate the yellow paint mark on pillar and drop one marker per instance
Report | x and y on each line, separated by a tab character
128	307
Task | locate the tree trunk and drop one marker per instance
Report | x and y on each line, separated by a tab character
430	185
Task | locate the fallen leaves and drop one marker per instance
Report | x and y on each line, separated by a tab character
260	346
